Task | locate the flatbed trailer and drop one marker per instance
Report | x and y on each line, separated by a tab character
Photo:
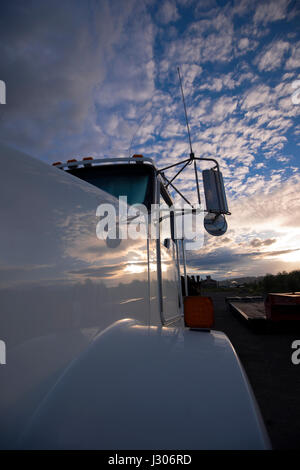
283	307
276	307
251	309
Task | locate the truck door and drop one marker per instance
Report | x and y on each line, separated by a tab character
168	275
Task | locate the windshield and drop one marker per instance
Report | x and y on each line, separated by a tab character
133	181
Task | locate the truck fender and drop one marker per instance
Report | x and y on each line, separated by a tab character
146	387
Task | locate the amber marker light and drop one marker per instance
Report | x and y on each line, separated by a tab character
198	312
87	161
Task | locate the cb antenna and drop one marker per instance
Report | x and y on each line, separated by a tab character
192	155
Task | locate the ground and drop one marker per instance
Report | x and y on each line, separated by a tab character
266	357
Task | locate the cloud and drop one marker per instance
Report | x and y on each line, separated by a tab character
271	203
190	73
257	242
273	254
268	11
54	58
223	107
243	43
257	96
272	56
167	12
294	60
207	40
260	165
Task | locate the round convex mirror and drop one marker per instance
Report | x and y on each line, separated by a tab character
215	224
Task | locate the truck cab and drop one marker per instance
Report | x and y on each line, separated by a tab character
139	181
98	352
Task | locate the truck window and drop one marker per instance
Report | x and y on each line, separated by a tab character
133	181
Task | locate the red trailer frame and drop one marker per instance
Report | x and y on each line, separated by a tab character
283	306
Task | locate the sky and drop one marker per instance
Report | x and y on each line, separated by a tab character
99	78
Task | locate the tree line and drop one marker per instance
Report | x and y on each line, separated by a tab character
281	282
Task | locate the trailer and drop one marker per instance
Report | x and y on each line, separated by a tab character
283	306
274	308
250	309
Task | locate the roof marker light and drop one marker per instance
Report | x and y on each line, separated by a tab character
56	163
137	156
87	161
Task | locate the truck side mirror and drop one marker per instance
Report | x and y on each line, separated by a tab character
216	203
215	224
214	191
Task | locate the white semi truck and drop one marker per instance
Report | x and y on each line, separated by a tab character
100	353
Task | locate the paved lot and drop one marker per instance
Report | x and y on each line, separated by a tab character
266	357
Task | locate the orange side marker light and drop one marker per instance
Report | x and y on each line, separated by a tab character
198	312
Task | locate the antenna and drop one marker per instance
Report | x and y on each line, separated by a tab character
192	155
186	118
